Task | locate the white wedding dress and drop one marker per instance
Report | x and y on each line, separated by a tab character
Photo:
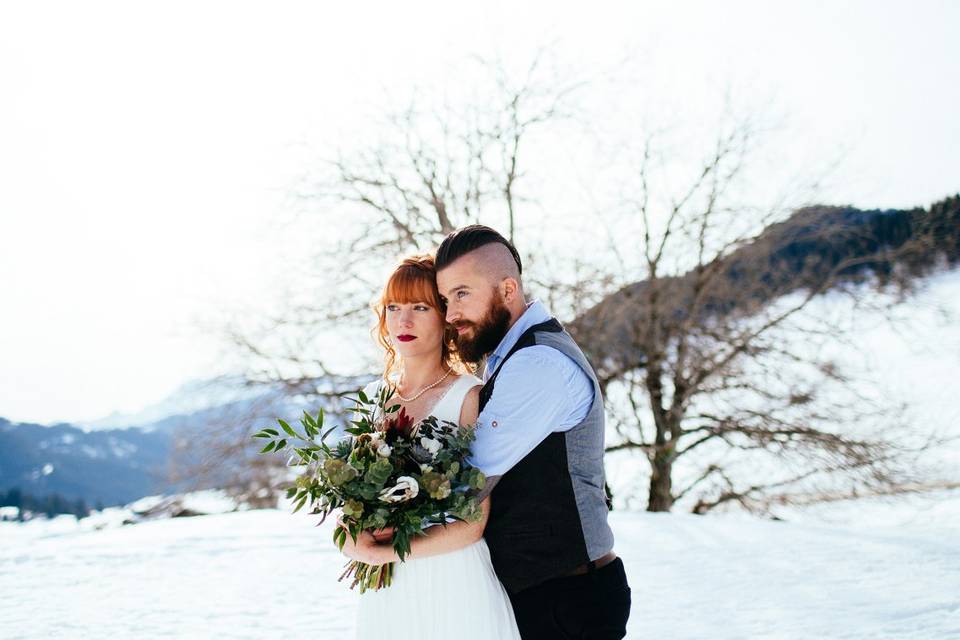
453	595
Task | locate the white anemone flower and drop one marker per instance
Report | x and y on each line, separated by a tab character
405	489
380	446
430	444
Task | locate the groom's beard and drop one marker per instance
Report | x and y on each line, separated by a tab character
486	335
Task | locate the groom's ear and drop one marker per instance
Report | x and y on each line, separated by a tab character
509	289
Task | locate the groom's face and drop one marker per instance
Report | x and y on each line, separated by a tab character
475	308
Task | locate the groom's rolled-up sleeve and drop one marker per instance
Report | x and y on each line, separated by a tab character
539	390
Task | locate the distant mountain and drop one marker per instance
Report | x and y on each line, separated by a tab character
815	248
112	467
121	457
126	456
192	397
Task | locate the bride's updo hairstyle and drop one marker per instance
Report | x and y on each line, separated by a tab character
414	280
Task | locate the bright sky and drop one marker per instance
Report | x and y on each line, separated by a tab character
146	150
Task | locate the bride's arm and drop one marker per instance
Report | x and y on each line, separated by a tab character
470	409
436	540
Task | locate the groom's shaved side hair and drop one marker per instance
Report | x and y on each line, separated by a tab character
468	239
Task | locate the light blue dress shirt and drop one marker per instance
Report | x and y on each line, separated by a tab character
539	390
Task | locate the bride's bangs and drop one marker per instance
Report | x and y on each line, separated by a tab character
410	285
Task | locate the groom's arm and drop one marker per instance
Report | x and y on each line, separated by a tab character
538	391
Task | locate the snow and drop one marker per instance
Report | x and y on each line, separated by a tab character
92	452
272	574
43	470
120	448
210	501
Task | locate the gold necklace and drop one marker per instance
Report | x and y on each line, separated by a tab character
425	389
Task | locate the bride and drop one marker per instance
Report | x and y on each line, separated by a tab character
446	587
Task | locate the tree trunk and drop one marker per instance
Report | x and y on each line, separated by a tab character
661	482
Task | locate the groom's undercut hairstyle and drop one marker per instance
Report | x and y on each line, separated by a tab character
467	239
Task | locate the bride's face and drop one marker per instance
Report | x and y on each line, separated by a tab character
415	328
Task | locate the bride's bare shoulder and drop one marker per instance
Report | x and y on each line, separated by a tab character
470	408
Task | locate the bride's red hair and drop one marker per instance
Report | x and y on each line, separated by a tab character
414	280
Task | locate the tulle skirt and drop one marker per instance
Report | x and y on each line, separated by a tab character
453	595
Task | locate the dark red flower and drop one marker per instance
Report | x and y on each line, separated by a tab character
399	426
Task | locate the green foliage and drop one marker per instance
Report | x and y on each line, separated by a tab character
379	472
338	472
353	509
436	485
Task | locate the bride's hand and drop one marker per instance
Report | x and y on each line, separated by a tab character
384	535
380	535
367	549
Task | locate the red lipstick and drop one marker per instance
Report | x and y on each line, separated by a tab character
406	338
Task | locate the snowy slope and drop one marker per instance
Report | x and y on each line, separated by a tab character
269	574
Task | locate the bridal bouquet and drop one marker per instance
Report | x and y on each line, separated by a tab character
387	474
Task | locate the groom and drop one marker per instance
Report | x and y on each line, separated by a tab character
540	431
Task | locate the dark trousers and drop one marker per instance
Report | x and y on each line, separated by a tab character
592	606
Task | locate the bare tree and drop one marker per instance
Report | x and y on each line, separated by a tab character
718	356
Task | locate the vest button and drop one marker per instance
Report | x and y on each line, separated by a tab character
494	423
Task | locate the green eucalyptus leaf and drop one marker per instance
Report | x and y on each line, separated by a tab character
287	427
300	504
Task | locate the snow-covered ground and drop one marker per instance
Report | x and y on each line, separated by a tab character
270	574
